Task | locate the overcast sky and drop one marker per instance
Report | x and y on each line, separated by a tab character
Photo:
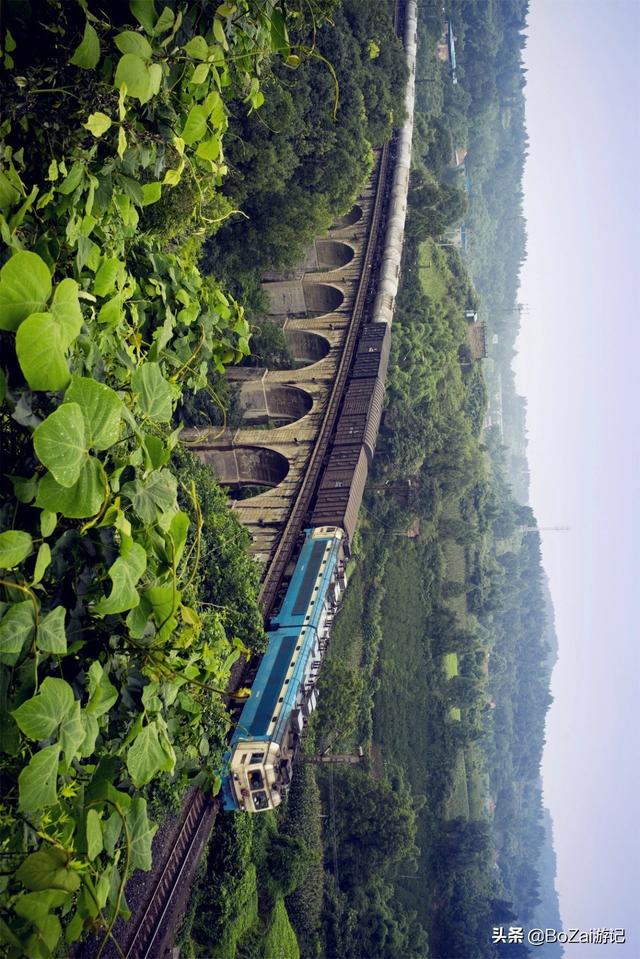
578	366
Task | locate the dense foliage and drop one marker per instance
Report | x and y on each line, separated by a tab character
126	592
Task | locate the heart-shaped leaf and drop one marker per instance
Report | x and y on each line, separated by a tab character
79	501
87	54
98	123
132	42
65	306
124	574
153	391
195	126
102	410
61	443
41	344
25	287
38	781
148	755
14	547
51	636
16	630
133	72
41	715
47	869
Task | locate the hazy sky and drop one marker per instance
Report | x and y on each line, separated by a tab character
578	366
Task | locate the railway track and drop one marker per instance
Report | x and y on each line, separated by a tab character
295	523
146	940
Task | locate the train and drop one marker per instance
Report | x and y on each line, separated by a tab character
259	761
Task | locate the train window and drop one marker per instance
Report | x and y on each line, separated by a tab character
274	719
255	780
256	758
298	647
244	759
260	800
286	681
281	700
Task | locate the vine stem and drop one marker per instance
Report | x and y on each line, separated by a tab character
125	872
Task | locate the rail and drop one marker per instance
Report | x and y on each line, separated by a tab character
149	926
295	523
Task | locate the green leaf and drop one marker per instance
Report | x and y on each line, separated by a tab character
48	522
98	123
87	54
200	74
41	347
79	501
14	547
141	832
47	868
111	314
37	786
165	21
91	730
124	574
134	73
148	755
279	36
151	193
145	13
155	76
153	392
25	287
102	695
219	34
51	636
110	272
198	48
61	443
131	42
17	628
122	140
36	905
40	716
72	733
209	149
178	532
66	309
72	181
95	844
102	410
195	126
43	560
153	495
111	832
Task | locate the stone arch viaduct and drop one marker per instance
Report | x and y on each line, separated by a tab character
283	410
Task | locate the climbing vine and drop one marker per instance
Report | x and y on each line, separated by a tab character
111	661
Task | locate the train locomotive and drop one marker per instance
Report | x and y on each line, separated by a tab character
258	765
261	751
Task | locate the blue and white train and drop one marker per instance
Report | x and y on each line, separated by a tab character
260	757
262	749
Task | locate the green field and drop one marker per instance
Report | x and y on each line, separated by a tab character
433	271
450	665
457	803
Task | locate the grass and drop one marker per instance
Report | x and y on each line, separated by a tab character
433	271
457	803
450	665
280	941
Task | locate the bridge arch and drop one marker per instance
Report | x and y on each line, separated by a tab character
306	347
333	255
322	298
273	404
349	219
246	466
